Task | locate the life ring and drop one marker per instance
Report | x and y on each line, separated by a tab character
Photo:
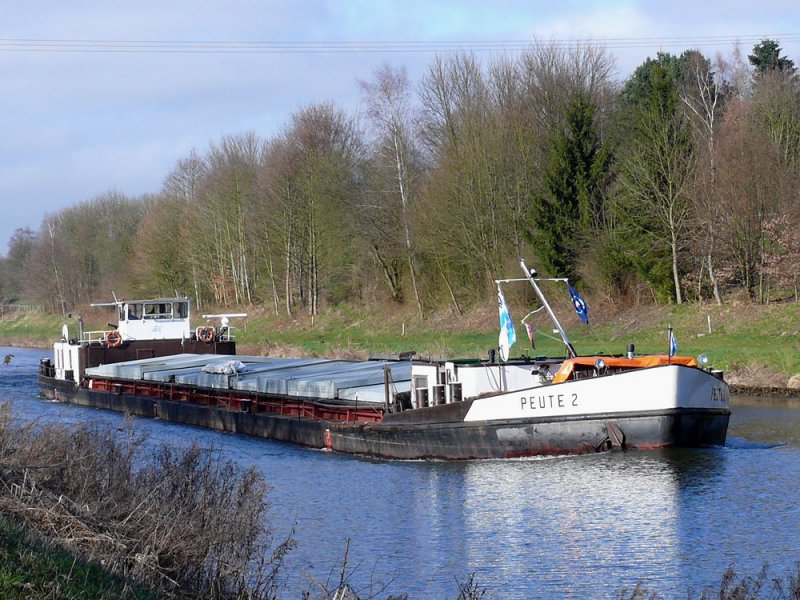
113	339
206	334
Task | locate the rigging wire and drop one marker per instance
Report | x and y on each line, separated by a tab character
108	46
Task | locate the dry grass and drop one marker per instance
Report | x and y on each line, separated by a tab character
755	375
735	587
179	522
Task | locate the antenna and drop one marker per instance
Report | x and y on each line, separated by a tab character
529	275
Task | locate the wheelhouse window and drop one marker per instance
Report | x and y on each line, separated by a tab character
181	309
158	310
134	311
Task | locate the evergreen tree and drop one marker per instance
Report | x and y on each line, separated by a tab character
572	206
766	58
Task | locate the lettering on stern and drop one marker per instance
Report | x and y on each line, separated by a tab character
720	394
546	401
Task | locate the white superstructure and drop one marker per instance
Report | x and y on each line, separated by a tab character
137	320
160	319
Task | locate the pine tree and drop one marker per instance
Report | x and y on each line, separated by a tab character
572	206
766	58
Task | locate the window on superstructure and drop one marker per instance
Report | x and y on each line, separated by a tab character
158	310
134	311
181	310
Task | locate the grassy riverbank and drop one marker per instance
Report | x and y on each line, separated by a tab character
755	344
89	512
33	567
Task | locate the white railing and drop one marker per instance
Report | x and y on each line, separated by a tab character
94	336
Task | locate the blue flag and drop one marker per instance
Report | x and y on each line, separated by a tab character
673	343
579	303
507	334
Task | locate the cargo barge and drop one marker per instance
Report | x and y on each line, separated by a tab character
404	407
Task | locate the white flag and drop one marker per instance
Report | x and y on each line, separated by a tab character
507	334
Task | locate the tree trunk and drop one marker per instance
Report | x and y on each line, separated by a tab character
196	288
390	273
404	200
675	275
714	283
288	257
449	287
59	288
313	279
273	282
414	283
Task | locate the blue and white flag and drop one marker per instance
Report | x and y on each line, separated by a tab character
507	334
579	303
673	343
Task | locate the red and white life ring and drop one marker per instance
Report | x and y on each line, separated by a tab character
113	339
206	334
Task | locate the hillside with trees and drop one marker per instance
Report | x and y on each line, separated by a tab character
677	185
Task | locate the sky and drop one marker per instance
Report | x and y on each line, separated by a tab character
99	97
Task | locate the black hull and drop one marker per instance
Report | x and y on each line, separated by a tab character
436	432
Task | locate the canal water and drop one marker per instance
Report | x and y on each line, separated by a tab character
567	527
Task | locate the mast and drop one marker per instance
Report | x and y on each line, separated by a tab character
530	277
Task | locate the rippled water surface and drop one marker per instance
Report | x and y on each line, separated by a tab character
584	526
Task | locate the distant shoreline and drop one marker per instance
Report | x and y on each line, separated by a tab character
17	343
765	391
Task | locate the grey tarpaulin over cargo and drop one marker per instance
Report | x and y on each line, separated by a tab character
360	381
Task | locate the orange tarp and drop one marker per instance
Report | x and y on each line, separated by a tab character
640	362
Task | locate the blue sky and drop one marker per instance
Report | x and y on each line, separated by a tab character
75	125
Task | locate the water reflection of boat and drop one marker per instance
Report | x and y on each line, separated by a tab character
401	407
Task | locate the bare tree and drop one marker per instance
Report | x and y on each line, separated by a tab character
310	180
221	219
702	93
181	188
84	251
753	189
467	219
388	102
553	73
